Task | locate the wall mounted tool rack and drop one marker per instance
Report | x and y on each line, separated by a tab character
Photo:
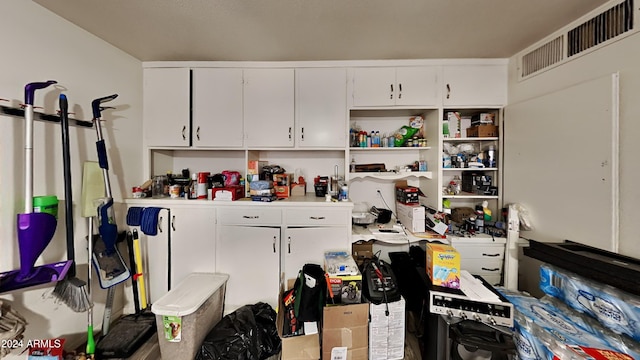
622	272
11	111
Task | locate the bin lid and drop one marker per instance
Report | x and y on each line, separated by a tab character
190	294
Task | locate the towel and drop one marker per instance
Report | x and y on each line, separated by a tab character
134	216
149	220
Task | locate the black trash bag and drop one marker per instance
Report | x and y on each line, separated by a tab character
248	333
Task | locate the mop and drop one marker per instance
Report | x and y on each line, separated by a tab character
107	260
35	229
92	189
72	291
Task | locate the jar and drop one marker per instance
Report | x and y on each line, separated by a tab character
160	186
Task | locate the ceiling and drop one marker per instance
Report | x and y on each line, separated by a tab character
298	30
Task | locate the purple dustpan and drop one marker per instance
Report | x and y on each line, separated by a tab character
39	275
35	231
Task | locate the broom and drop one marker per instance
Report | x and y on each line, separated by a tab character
71	291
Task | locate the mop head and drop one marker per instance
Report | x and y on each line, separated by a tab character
73	293
111	268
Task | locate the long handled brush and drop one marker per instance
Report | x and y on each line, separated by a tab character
72	291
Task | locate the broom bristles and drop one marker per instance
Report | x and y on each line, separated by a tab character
73	292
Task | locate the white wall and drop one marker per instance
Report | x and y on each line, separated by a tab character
622	56
39	46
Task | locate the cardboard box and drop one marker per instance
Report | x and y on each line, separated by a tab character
362	250
443	265
344	277
298	189
411	216
254	167
346	326
282	191
303	347
387	333
482	131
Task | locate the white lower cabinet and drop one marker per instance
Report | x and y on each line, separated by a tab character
481	255
304	245
192	247
255	244
251	257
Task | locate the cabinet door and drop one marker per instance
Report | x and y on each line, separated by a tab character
251	257
192	247
321	107
217	108
166	106
303	245
374	86
468	85
269	107
192	241
417	86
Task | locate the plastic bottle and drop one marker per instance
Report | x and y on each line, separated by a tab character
193	186
352	168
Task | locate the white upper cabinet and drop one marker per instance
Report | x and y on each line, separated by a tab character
166	106
321	107
475	85
269	107
217	107
396	86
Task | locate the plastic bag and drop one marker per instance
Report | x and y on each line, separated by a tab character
248	333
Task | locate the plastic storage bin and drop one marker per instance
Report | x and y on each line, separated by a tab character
186	314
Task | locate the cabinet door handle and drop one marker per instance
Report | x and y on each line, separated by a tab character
289	244
274	244
173	223
184	128
494	269
490	255
391	92
198	133
302	133
251	216
160	224
400	92
448	91
289	133
316	217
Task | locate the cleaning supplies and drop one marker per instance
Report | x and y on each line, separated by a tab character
35	229
72	291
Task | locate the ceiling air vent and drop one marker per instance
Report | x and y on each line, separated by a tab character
601	27
543	56
613	22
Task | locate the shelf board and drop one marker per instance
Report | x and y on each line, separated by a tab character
400	148
465	195
469	169
391	175
495	138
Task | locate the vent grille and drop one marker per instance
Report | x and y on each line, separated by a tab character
544	56
579	38
609	24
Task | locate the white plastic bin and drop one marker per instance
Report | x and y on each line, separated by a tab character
186	314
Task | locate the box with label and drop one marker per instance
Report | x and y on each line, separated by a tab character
411	216
301	347
345	332
282	179
387	330
344	278
254	167
282	191
443	265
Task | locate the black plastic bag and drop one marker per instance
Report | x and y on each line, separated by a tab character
248	333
